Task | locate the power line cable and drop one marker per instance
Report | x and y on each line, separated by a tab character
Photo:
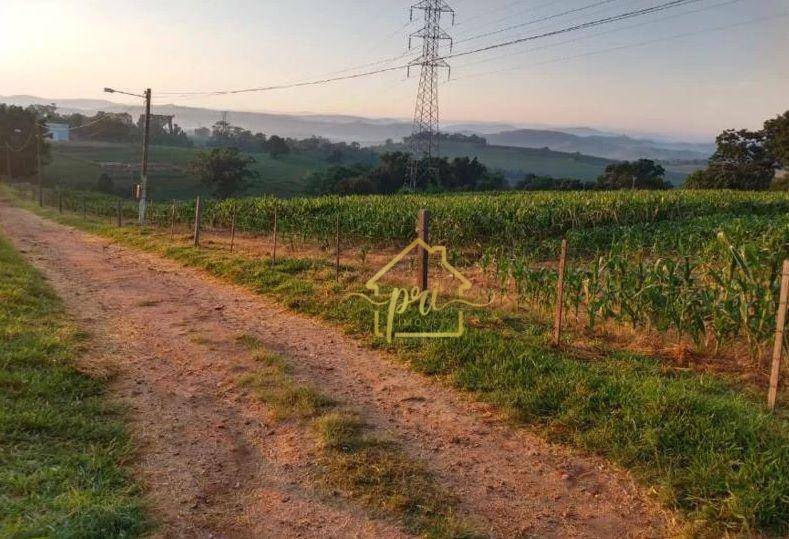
534	21
590	24
577	27
598	34
328	73
21	148
628	46
508	18
496	10
104	117
32	134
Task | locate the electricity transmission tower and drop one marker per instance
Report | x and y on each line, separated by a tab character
424	138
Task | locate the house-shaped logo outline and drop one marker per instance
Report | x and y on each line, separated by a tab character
465	286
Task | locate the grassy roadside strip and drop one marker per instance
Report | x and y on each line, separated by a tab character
708	450
62	449
353	461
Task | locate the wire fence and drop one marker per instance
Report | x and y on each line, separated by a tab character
723	287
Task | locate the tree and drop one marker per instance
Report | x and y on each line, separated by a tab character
699	179
359	185
391	173
224	169
741	161
491	181
327	181
780	183
104	184
161	136
105	126
776	139
335	157
641	174
221	135
46	113
464	174
225	135
277	146
19	129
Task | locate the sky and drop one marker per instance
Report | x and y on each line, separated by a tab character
689	72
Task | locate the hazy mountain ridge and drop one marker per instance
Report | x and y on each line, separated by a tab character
617	147
370	131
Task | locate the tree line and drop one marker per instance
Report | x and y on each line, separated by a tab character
119	127
643	174
225	135
393	172
21	133
748	160
467	174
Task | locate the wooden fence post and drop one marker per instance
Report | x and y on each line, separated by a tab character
198	218
120	213
274	252
780	330
172	221
233	228
337	249
557	324
423	232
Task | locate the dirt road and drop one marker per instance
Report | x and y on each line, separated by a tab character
213	465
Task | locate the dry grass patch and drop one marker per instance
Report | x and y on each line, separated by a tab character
381	476
353	461
285	398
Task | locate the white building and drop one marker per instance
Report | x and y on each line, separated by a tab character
60	132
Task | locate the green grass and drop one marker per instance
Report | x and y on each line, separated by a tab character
378	474
372	471
285	399
540	161
76	165
707	447
62	448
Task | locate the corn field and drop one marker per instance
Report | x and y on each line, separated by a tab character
702	264
729	294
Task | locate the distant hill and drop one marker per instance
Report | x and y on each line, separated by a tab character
575	152
516	161
365	131
373	131
618	147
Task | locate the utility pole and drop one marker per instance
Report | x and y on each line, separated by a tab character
424	137
8	160
145	143
38	166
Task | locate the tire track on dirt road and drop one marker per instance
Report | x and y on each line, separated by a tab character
212	463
